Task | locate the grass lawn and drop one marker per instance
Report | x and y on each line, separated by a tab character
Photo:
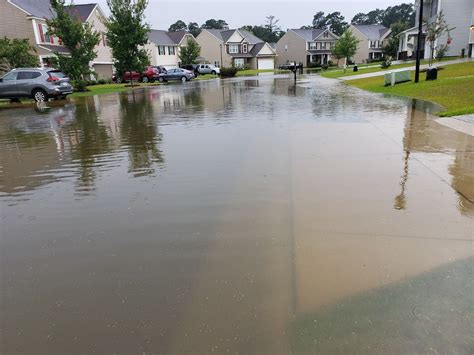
454	89
367	68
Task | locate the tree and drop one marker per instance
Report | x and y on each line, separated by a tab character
178	26
272	24
434	30
320	21
17	53
360	19
190	52
194	29
374	17
346	46
391	48
78	37
127	34
399	13
336	23
215	24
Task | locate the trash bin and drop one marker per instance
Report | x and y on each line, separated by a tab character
431	73
355	68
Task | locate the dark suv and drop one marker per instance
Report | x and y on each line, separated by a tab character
38	84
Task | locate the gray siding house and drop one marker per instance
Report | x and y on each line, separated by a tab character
371	38
457	13
310	47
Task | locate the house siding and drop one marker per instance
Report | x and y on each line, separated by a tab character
296	49
210	49
104	53
362	53
14	23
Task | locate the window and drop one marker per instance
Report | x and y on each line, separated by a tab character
286	47
171	50
233	48
323	45
326	34
312	46
104	40
244	48
25	75
10	77
217	64
239	62
44	35
161	50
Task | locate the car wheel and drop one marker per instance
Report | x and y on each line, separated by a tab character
145	79
213	72
184	79
40	95
161	80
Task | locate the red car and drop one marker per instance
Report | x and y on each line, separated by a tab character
148	76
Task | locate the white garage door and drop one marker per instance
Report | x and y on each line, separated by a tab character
266	63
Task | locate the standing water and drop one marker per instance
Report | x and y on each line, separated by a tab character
240	216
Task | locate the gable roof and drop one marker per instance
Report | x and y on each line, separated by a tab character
81	12
224	35
165	38
35	8
372	32
310	35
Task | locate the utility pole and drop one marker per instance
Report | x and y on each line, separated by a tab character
418	45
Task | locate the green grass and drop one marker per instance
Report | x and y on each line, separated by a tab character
454	89
367	68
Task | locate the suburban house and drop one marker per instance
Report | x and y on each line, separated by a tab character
164	47
458	16
93	14
27	19
238	48
371	38
311	47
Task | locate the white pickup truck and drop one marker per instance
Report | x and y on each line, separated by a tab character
208	69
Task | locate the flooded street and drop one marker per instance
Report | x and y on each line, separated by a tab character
243	216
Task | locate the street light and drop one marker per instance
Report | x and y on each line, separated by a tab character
418	46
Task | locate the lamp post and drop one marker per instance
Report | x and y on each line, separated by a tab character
220	45
418	45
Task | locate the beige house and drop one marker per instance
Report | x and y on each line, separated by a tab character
372	39
311	47
164	47
27	19
238	48
471	36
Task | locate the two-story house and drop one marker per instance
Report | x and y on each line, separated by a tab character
457	14
92	14
371	38
27	19
164	47
308	46
471	36
238	48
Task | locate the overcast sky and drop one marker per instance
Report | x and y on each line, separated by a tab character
292	14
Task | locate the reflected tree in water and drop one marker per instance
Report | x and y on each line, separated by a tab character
140	133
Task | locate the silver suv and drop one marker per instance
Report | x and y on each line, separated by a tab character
38	84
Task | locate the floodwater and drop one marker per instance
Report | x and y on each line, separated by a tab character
238	216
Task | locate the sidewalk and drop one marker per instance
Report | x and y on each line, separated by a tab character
464	123
383	72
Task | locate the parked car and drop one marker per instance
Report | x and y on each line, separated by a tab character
208	69
191	67
149	75
36	83
287	66
176	74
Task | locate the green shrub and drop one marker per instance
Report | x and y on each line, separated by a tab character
80	85
229	72
102	81
325	66
314	65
